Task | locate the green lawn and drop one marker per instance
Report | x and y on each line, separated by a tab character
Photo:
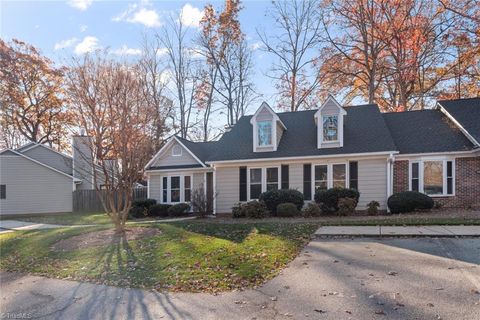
185	256
66	218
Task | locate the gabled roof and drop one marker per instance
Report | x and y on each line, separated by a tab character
425	131
466	114
365	131
10	152
202	150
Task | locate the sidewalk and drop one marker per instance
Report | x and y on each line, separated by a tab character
393	231
24	225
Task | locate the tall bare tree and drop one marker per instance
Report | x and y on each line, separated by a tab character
182	69
110	106
31	95
294	40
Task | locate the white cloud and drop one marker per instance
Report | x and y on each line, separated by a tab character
162	51
83	28
65	43
80	4
88	44
126	51
256	45
147	17
190	15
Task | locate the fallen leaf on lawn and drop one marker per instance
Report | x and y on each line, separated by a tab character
348	311
319	310
273	298
335	261
430	304
475	291
438	288
392	273
380	312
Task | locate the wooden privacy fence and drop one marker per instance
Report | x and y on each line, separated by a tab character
88	200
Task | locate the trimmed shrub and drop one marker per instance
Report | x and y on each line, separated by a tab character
311	210
178	209
273	198
346	206
409	201
159	210
372	207
253	209
287	209
137	213
328	200
144	203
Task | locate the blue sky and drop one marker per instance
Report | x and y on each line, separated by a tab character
65	28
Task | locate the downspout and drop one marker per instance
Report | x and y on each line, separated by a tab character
390	161
214	190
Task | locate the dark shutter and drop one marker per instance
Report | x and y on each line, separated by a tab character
285	177
3	191
353	171
415	176
243	183
307	181
449	177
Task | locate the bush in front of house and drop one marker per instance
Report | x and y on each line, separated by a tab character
346	206
253	209
287	209
311	210
144	203
159	210
329	199
409	201
273	198
372	207
178	210
137	213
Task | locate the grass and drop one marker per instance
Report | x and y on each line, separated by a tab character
65	218
185	256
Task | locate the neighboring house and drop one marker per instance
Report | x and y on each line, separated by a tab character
432	151
37	179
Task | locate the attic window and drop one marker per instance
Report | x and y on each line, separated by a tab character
176	151
330	128
264	133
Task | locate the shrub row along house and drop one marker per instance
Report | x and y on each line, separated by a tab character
436	152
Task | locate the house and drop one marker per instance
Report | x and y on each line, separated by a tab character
431	151
37	179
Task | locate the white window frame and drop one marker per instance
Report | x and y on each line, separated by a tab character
338	128
271	134
176	146
421	173
169	187
264	179
330	174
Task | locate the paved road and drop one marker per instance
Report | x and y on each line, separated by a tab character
420	278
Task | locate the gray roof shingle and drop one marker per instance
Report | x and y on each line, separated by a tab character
364	131
425	131
466	112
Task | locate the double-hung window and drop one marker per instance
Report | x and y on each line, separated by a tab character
330	128
264	134
261	180
176	189
433	177
330	176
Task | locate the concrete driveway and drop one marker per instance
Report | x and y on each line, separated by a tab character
417	278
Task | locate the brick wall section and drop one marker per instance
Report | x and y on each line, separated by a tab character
467	183
400	176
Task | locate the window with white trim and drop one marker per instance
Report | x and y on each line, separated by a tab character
330	128
434	177
264	133
176	189
328	176
262	180
176	151
255	183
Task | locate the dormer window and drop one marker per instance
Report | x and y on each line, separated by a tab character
264	133
330	128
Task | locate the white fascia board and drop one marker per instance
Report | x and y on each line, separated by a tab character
464	131
274	114
330	98
206	169
342	155
438	154
165	147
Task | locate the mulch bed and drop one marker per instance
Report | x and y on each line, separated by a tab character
102	238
